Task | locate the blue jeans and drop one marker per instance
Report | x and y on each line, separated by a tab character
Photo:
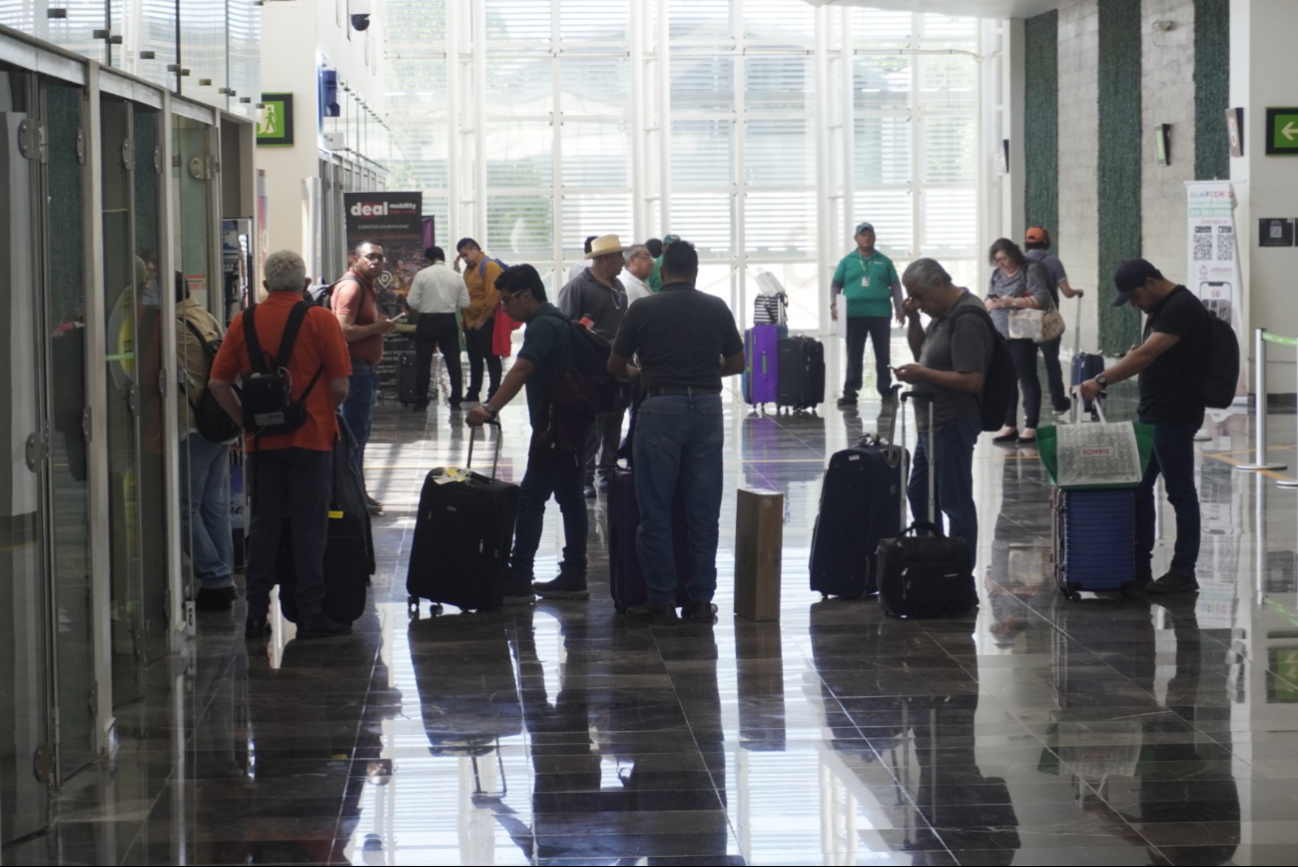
953	449
205	522
542	479
678	441
358	409
1173	457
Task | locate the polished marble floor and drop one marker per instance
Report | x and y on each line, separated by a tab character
1035	731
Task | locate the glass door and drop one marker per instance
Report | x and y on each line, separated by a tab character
125	278
68	516
26	760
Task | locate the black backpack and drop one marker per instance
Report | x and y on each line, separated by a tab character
1001	381
268	404
591	351
211	419
1218	387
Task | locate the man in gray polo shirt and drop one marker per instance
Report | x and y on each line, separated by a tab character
953	356
596	298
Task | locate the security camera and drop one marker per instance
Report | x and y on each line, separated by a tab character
360	12
360	22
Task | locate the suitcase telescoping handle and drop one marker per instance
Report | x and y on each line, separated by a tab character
473	435
932	472
1074	412
1077	329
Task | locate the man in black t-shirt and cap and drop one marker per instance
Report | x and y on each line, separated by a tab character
1171	363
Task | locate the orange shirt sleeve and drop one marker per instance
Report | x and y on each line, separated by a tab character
347	299
228	363
336	359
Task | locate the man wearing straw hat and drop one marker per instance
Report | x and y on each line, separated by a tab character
597	299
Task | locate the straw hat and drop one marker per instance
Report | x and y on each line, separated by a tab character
605	245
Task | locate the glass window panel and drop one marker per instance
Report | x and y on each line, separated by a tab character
520	227
949	221
414	21
522	24
948	82
520	87
519	154
705	220
702	84
893	218
418	85
585	215
950	148
881	150
880	28
701	152
779	21
699	20
778	153
777	83
602	21
595	85
596	154
881	81
779	222
948	28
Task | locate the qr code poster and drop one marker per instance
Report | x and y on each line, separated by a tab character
1212	270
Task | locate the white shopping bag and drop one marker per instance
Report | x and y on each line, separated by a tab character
840	324
1105	453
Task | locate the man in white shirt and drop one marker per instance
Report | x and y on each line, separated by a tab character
436	293
578	267
639	264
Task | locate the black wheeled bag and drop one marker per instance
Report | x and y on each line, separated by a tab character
464	532
928	575
407	379
801	373
860	499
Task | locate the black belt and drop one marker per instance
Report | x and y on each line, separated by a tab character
675	391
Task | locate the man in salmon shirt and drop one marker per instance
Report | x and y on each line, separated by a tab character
363	329
289	472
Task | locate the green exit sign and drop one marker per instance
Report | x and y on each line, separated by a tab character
1282	131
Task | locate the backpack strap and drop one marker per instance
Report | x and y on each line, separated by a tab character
255	356
202	341
287	342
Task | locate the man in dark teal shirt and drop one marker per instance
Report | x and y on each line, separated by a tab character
868	283
547	345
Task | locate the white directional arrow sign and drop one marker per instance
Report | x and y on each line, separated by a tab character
1290	131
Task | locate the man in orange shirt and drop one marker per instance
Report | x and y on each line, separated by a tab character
480	274
289	472
363	328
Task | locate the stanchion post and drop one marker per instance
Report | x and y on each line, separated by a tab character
1291	483
1259	407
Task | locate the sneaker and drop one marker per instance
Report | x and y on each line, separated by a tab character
569	585
590	492
373	506
215	598
314	626
653	614
256	627
1173	582
516	590
700	611
845	401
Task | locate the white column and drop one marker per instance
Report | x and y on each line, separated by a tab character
824	185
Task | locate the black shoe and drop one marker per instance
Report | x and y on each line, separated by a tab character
844	402
314	626
1011	437
455	406
569	585
700	611
1173	582
1065	405
215	598
516	590
373	506
654	615
602	483
590	492
256	627
473	398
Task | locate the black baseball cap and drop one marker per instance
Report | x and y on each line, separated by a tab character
1130	276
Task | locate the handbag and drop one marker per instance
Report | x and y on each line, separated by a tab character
502	344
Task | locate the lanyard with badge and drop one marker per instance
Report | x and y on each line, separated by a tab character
865	268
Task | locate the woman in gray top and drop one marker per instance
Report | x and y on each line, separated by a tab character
1018	284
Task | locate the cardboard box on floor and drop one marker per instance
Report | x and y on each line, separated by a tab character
759	544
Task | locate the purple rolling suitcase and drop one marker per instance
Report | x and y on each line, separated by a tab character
761	381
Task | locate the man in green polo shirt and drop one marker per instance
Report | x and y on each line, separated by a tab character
869	284
655	280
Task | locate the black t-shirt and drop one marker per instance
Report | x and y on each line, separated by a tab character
1169	388
681	335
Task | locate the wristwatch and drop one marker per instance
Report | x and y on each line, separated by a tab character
491	410
1102	380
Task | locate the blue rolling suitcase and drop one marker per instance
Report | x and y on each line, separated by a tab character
1086	365
1094	540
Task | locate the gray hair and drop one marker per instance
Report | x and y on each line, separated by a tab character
284	271
633	250
925	274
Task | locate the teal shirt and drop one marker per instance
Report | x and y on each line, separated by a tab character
547	343
867	283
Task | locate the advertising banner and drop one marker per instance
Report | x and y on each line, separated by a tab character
1212	271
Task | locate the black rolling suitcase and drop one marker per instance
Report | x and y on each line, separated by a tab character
860	501
925	576
349	546
463	535
407	390
801	373
1086	365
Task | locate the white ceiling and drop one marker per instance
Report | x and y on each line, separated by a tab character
977	8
